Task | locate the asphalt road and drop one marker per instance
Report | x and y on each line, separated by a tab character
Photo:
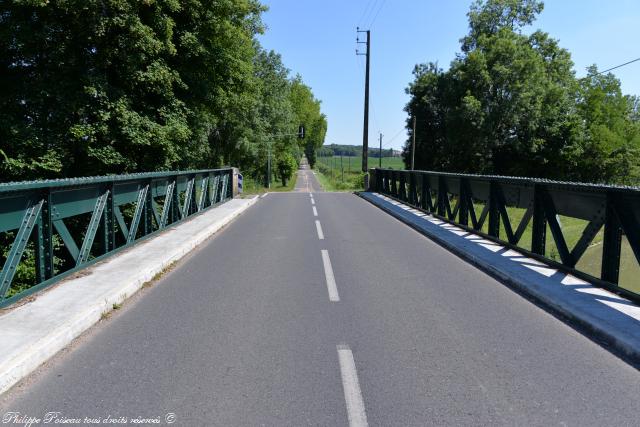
245	333
307	180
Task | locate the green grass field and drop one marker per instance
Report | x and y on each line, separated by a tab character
252	187
590	262
344	174
354	164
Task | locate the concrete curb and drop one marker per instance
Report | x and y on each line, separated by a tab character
616	331
36	331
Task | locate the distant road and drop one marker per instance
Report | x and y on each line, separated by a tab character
320	309
307	180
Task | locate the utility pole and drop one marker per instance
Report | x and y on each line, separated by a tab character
269	166
413	146
365	131
300	134
380	153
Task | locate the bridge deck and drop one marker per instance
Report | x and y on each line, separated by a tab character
244	333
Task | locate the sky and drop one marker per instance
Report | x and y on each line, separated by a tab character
317	39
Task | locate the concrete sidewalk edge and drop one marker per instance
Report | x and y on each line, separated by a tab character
58	321
614	340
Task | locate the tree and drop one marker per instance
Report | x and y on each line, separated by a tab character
510	104
310	154
611	144
287	165
93	87
307	112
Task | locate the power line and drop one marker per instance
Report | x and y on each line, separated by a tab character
370	12
366	9
394	136
618	66
376	15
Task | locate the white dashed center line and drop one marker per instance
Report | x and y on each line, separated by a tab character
352	394
331	280
315	211
319	230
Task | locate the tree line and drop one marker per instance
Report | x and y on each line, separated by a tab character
93	87
351	151
511	104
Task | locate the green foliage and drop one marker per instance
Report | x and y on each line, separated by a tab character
287	165
93	87
510	104
337	174
352	151
307	109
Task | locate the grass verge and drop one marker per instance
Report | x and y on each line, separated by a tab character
253	187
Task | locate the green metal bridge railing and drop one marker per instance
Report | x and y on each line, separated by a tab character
50	229
594	229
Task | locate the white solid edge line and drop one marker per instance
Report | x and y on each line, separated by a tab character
352	394
315	211
331	280
319	230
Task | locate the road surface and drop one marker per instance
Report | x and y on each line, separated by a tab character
267	324
307	180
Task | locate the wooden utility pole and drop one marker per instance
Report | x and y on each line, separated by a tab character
365	131
413	146
269	167
380	153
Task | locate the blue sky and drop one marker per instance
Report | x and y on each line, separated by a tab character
317	40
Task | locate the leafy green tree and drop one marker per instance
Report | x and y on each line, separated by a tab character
287	165
310	154
611	146
307	112
109	87
505	104
93	87
510	104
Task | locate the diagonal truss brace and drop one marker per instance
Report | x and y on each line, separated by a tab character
94	223
17	248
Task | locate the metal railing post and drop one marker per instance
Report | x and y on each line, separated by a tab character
539	222
442	193
425	195
464	204
44	240
494	212
107	224
148	209
612	244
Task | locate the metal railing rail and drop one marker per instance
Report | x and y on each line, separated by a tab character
68	224
454	198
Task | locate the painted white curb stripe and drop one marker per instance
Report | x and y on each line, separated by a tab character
331	280
319	230
352	393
